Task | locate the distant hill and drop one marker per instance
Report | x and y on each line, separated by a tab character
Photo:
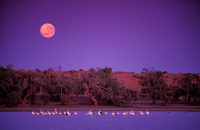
130	79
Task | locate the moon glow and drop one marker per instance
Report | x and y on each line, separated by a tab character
47	30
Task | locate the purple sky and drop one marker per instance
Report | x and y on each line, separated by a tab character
126	35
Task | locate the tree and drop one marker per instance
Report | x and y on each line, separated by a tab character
10	66
111	89
90	84
153	84
68	89
10	90
168	93
101	84
30	84
190	87
48	84
60	80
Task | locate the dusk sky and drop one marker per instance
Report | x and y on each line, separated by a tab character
126	35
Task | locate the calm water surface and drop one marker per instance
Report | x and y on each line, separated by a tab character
157	120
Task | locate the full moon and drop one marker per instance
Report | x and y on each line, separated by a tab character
47	30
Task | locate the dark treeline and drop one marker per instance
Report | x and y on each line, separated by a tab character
154	85
21	87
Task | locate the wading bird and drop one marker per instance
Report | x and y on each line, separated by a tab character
90	113
100	113
147	112
131	113
141	113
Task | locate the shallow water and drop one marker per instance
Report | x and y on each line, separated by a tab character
157	120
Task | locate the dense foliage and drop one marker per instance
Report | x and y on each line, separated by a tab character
102	85
20	87
154	85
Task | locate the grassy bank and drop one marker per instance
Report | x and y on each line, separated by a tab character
136	107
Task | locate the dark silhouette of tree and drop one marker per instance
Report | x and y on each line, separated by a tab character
48	85
69	88
102	84
60	80
190	87
111	89
10	90
38	70
168	93
90	84
10	66
154	84
30	84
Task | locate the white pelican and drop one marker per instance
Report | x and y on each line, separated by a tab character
69	113
105	113
53	113
33	113
41	112
49	113
141	113
113	113
100	113
37	113
147	112
131	113
60	113
65	113
56	112
125	113
75	113
90	113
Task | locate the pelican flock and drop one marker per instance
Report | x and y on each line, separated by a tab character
131	113
53	113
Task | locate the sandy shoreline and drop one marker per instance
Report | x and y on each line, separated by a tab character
138	107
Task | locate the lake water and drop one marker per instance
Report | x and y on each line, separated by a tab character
157	120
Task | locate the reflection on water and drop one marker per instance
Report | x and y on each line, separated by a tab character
157	120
